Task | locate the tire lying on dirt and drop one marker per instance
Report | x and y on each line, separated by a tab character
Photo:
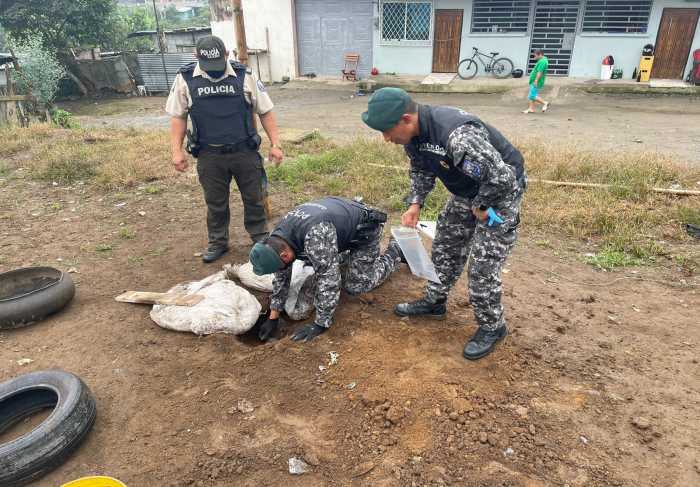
30	294
41	450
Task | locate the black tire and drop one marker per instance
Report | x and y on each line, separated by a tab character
31	294
502	68
47	446
467	69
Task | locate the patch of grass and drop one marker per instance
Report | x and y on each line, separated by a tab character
55	206
609	259
628	220
4	169
153	190
126	233
103	248
135	259
158	251
111	158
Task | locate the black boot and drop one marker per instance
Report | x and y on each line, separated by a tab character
214	253
422	307
483	342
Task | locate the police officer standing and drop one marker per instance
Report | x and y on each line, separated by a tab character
486	177
221	98
318	232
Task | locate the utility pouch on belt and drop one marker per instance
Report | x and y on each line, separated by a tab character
370	225
193	146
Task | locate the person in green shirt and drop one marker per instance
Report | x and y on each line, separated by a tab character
537	77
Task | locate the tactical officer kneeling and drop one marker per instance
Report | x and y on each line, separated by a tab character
318	232
221	99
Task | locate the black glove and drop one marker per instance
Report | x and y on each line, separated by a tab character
308	333
268	329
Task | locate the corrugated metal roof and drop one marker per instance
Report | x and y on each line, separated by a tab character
151	68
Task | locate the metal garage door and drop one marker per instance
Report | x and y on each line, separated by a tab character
329	29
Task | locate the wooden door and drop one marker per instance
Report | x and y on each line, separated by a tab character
447	39
673	42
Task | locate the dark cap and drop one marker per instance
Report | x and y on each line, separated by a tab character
385	108
211	53
264	259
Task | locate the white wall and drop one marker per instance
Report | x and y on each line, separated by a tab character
276	15
419	60
590	49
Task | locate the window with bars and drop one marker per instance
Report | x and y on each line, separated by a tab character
500	15
617	16
406	20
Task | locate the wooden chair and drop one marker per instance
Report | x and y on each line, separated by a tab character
350	70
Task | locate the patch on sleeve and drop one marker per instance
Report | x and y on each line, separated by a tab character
472	169
261	86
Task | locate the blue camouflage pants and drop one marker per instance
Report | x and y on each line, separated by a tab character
458	233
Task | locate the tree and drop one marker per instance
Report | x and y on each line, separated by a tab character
60	23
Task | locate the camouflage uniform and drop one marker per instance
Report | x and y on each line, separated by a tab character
458	230
366	270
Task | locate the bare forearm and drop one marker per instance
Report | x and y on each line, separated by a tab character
269	123
178	128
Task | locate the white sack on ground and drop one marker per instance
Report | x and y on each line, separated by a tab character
245	274
302	290
226	308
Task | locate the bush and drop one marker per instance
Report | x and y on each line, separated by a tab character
41	72
64	119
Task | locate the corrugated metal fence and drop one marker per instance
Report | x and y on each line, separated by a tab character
151	68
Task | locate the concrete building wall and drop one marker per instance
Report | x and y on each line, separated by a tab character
589	49
419	59
276	16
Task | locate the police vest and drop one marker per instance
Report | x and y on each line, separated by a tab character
219	112
430	148
344	214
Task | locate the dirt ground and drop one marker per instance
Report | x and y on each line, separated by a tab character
598	383
667	124
589	355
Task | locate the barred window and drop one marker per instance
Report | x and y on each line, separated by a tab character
500	15
406	20
617	16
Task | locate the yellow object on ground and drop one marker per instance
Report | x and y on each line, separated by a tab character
95	482
645	65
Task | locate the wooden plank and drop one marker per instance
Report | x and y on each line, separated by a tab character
142	297
15	98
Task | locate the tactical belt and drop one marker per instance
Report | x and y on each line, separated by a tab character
251	144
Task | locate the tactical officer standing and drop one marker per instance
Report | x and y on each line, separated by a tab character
318	232
486	177
221	99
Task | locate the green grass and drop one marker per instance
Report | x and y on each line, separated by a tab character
103	248
126	233
628	222
609	259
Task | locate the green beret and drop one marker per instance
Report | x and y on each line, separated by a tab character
264	259
385	108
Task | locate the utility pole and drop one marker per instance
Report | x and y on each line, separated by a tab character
241	45
161	41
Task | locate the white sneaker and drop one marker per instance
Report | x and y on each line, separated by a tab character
528	111
545	107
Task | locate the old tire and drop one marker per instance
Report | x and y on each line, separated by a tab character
47	446
31	294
